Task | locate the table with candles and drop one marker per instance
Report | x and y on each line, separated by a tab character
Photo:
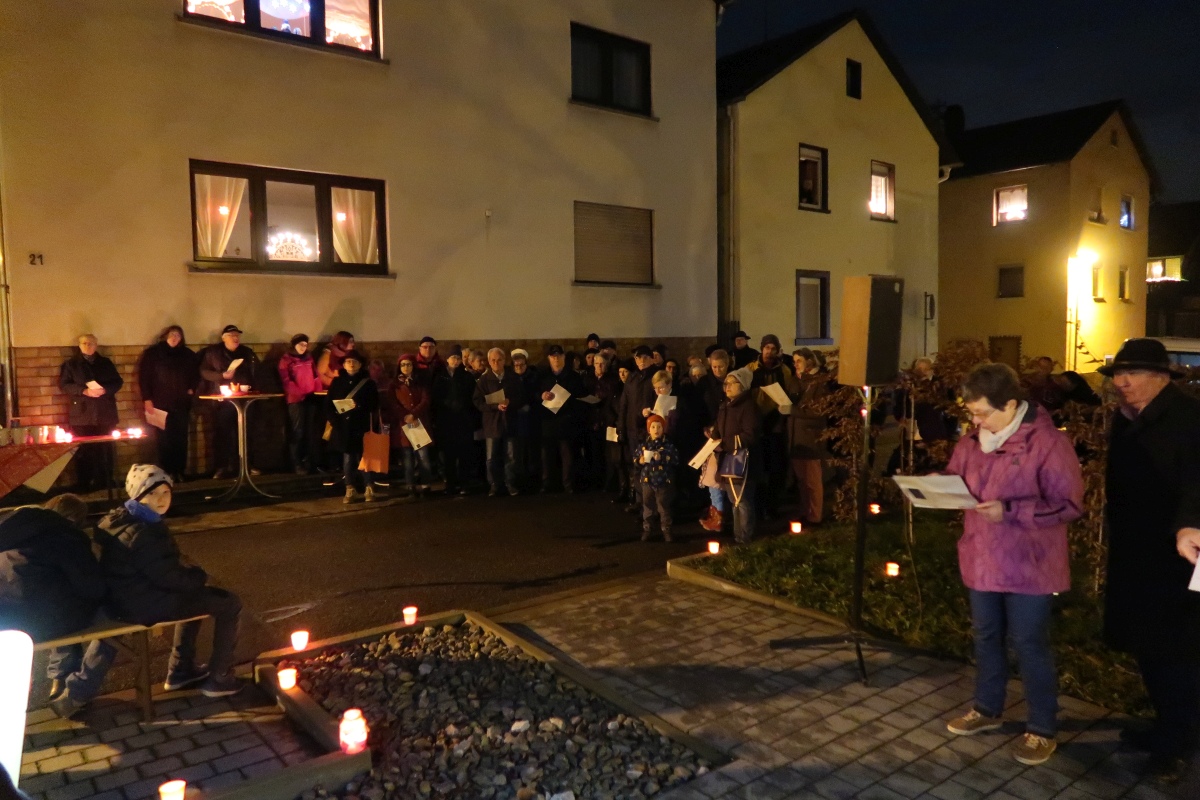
240	400
26	451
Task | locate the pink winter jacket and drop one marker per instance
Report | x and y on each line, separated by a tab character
1036	474
298	376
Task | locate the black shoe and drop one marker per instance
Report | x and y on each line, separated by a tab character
66	706
221	686
1161	769
493	492
185	679
57	687
666	536
646	535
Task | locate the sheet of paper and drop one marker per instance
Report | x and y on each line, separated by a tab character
44	480
342	406
778	396
590	399
157	418
417	436
936	491
496	398
233	365
1195	584
610	435
561	396
93	385
698	461
665	404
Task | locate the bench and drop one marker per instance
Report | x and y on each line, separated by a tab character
139	649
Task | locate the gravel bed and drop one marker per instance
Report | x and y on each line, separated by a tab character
457	713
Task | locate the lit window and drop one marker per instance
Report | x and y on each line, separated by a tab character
1123	284
228	10
1096	212
348	23
1164	269
1097	290
354	226
1127	212
814	166
883	191
286	16
1012	204
352	24
222	217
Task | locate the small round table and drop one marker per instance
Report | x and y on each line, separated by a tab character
241	402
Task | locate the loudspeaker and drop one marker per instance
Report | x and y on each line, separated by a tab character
872	312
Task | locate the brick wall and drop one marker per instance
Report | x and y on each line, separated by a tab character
40	402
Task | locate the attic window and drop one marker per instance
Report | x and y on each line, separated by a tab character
853	79
1126	212
1012	204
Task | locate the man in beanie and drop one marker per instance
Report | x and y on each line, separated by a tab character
429	363
149	582
658	461
499	396
1153	509
769	369
743	354
528	429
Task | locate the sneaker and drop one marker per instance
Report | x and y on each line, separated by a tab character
493	492
369	495
351	496
973	722
221	686
220	475
66	706
57	687
177	681
514	493
1032	749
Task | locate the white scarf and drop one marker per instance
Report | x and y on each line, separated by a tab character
989	441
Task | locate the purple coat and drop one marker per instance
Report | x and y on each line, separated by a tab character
1036	474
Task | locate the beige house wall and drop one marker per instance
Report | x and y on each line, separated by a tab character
469	123
772	237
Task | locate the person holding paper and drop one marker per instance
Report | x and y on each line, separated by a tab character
499	396
665	400
558	429
637	399
1013	554
604	382
91	383
771	369
1153	510
352	402
658	462
805	428
167	375
223	364
739	424
454	416
410	403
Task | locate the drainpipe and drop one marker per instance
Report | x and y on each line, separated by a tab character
7	358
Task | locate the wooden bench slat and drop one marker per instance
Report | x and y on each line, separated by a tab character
108	630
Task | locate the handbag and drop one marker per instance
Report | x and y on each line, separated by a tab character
377	448
734	464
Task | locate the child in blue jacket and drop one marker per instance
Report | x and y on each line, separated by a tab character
658	461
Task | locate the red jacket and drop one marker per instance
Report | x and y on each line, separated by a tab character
299	376
411	397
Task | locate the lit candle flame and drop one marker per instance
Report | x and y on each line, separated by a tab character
410	615
352	732
286	678
797	527
172	790
116	434
299	640
226	391
714	547
892	569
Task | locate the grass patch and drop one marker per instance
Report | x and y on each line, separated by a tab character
927	605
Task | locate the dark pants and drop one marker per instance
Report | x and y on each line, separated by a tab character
502	463
560	453
225	437
302	418
411	458
173	440
225	608
743	512
93	461
810	488
1174	689
657	499
775	452
352	476
458	452
616	466
1001	618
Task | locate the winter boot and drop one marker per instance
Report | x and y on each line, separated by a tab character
351	495
713	522
369	494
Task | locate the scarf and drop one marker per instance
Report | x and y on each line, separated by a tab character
142	512
989	442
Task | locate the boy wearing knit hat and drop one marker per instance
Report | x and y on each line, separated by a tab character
658	461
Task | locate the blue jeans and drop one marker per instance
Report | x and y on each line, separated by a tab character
743	512
411	456
1023	619
503	447
716	496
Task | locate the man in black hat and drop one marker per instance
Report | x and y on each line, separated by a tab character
217	369
560	427
636	399
743	354
1153	507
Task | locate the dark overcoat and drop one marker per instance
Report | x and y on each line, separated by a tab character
1153	490
73	379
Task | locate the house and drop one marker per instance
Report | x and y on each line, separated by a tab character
1173	271
484	172
1043	235
828	167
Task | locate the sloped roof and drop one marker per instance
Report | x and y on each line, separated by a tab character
1174	228
740	73
1036	141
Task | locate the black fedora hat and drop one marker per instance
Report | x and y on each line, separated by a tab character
1140	354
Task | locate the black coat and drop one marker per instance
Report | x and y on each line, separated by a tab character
783	374
349	427
744	357
497	423
73	378
740	420
637	395
147	579
215	360
608	390
168	376
564	424
1153	490
50	583
455	417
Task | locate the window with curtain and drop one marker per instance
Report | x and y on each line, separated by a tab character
812	307
346	24
883	180
287	220
1012	204
1126	221
814	168
610	70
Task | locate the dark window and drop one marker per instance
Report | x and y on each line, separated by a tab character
812	307
349	24
1005	350
282	220
1012	281
614	244
853	79
1123	284
609	70
814	175
1097	284
1126	212
883	191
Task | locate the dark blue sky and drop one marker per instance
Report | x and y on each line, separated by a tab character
1020	58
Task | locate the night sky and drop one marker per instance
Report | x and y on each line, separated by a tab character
1020	58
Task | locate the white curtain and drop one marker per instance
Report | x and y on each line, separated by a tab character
354	228
218	200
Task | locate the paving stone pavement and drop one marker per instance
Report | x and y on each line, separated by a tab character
109	754
799	724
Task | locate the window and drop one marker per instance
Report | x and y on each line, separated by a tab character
1164	269
609	70
1096	212
287	221
853	79
812	307
814	172
1097	288
883	191
1123	284
1114	138
1126	219
614	244
1005	350
1012	281
350	24
1012	204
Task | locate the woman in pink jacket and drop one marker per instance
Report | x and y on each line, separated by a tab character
298	373
1013	554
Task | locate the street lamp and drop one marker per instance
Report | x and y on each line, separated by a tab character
1079	273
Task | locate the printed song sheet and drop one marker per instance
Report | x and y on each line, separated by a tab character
936	491
561	396
705	452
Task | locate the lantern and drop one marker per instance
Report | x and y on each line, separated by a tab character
410	615
286	678
16	664
352	732
134	433
116	434
714	547
299	640
172	790
875	508
226	391
796	527
892	569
